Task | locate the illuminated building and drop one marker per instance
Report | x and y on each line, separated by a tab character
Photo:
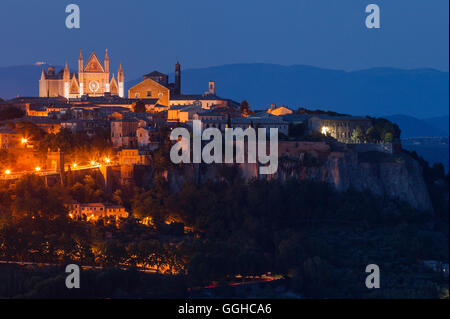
93	79
281	110
94	211
8	138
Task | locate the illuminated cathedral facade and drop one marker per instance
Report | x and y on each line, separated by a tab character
93	79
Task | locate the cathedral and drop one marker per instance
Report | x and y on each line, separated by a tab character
92	79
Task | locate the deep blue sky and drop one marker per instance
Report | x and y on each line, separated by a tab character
147	35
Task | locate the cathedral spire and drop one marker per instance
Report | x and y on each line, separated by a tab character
80	62
66	74
106	61
120	75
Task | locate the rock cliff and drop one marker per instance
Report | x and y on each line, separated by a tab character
393	175
342	166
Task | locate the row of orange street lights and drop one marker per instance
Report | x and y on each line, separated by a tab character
107	161
8	171
23	141
74	165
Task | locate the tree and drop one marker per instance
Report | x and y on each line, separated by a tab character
36	200
373	135
245	108
153	203
388	138
117	197
357	135
88	191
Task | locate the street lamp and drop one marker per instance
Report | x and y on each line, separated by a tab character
24	140
38	169
7	172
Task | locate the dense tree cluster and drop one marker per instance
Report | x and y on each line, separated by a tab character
318	239
77	144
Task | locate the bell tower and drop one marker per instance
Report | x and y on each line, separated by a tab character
107	87
178	79
66	80
121	81
80	73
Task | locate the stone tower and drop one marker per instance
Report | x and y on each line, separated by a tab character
66	80
121	81
80	73
212	87
177	79
106	63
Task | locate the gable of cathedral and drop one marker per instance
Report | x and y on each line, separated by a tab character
74	87
93	64
114	88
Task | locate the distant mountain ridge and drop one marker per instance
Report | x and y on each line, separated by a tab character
414	127
21	80
421	93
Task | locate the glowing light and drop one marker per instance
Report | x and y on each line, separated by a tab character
7	172
74	165
107	160
324	130
38	169
24	140
92	162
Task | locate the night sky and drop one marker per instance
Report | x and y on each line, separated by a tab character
147	35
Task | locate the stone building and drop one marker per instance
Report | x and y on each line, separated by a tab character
281	110
93	79
134	157
149	88
123	133
148	138
95	211
339	127
156	85
183	113
8	138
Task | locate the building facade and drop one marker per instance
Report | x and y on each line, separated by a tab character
95	211
123	133
93	79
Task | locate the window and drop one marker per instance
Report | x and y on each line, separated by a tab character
149	93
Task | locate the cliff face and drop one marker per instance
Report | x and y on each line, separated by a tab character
342	166
397	176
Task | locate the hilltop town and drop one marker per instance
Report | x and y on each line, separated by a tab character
129	129
92	157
